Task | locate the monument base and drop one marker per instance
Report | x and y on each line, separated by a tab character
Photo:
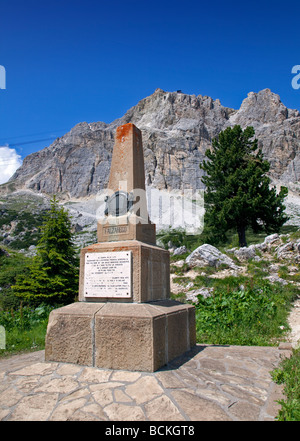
124	336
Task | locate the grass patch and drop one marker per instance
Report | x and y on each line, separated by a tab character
259	268
288	374
283	272
25	328
182	280
244	312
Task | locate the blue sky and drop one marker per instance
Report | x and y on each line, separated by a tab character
70	61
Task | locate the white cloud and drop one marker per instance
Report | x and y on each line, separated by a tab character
9	162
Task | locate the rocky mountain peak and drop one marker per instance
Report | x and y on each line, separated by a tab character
264	107
177	129
164	110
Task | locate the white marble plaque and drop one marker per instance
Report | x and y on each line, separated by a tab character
108	274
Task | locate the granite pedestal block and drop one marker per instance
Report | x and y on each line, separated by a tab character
125	336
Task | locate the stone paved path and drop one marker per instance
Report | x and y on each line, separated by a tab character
214	383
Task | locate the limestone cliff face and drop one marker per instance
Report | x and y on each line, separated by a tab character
177	129
278	131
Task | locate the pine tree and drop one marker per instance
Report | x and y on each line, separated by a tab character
53	275
238	193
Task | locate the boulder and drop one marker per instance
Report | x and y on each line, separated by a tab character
272	238
284	251
275	278
180	250
178	263
297	246
193	295
208	255
245	253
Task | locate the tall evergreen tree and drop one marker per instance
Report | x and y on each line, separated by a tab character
238	193
53	276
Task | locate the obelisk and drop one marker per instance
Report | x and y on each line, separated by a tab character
124	318
126	211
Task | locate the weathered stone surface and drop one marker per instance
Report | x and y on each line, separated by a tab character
70	333
125	376
180	250
163	409
10	397
36	369
193	295
127	177
142	337
272	238
37	407
124	338
64	410
123	412
143	389
211	383
91	375
177	129
60	385
283	250
114	335
199	409
103	397
208	255
245	411
122	397
245	253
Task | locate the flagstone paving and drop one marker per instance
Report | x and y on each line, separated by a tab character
210	383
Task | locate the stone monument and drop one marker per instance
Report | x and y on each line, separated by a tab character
124	318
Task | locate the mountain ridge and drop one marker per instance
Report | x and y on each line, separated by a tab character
177	129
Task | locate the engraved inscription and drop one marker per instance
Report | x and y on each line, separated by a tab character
108	274
115	230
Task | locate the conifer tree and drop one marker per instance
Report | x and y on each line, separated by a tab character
53	275
238	193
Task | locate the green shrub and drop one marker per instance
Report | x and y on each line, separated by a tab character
250	315
288	373
25	317
25	328
53	275
12	264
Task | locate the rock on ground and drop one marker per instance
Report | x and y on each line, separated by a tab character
208	255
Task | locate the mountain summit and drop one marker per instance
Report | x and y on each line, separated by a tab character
177	129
